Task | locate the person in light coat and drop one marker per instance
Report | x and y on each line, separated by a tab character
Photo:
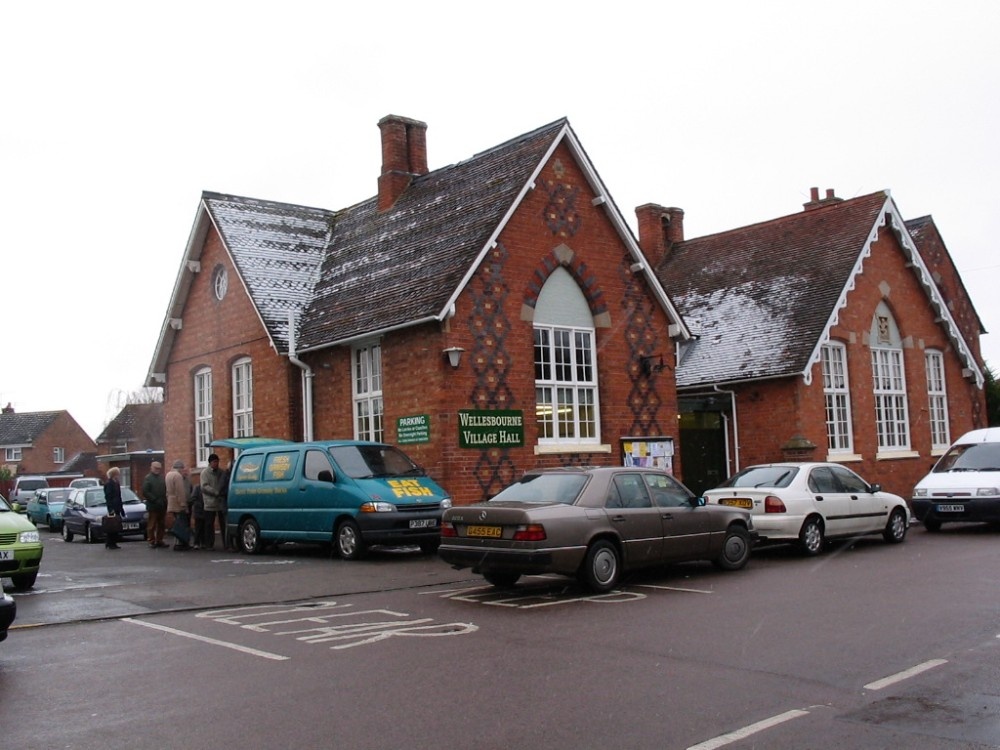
178	495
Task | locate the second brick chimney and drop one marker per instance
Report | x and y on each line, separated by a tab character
816	202
659	230
404	156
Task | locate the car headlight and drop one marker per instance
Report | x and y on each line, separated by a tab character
446	503
987	492
921	492
378	507
29	537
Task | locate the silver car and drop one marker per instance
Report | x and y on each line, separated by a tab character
593	523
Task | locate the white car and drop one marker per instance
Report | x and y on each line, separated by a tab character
808	503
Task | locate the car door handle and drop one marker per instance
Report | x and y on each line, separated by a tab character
819	498
618	519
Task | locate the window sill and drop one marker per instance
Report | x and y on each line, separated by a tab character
843	458
895	455
544	449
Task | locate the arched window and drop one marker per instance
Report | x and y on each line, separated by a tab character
889	381
243	398
567	406
202	414
837	393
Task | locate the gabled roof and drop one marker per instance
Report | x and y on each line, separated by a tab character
23	429
762	299
359	272
140	426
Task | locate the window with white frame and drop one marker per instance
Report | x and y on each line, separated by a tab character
13	454
368	393
202	414
243	398
937	400
58	455
839	438
889	383
566	393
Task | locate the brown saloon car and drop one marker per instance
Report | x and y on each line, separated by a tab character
592	523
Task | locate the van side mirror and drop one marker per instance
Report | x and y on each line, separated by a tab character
325	476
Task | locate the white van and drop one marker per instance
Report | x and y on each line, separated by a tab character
24	490
964	484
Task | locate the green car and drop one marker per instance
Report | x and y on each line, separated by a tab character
20	548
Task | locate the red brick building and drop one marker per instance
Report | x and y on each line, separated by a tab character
132	441
490	316
839	333
50	443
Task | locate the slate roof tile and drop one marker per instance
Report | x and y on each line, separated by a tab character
22	429
761	296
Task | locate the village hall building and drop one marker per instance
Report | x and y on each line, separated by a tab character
489	317
498	315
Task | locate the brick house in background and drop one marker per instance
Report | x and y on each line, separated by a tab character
503	290
132	441
50	443
839	333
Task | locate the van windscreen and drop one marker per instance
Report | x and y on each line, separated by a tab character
367	461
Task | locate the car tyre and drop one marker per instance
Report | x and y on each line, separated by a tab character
249	537
811	536
601	567
48	522
88	534
895	529
429	548
350	543
735	549
67	535
932	525
24	581
502	579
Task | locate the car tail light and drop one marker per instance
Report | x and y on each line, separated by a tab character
773	504
533	532
448	529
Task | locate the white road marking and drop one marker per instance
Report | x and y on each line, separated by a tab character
739	734
213	641
905	674
673	588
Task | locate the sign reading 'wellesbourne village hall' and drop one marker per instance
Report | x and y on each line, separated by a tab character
490	429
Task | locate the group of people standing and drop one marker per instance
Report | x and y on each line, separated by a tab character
174	497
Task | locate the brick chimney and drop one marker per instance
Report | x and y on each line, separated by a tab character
404	156
659	230
815	201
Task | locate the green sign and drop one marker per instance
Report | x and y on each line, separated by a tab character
490	429
415	429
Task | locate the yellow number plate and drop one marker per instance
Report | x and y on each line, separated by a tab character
487	531
737	502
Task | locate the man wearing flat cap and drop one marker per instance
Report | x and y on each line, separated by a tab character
211	490
154	494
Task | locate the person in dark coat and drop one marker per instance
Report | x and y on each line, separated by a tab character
113	499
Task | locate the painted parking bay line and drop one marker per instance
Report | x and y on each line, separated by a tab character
213	641
905	674
740	734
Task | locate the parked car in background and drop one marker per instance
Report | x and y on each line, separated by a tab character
24	489
964	484
808	503
85	507
47	506
8	611
593	523
85	482
20	548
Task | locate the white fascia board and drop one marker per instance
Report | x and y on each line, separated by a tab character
890	213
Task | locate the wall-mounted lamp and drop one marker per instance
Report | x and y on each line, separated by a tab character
454	354
649	366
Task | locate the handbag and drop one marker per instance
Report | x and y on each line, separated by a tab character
111	524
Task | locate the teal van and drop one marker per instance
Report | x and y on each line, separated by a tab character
348	492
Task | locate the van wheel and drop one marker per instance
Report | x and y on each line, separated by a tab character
250	541
932	525
350	544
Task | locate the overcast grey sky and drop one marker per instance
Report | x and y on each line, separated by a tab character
116	116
